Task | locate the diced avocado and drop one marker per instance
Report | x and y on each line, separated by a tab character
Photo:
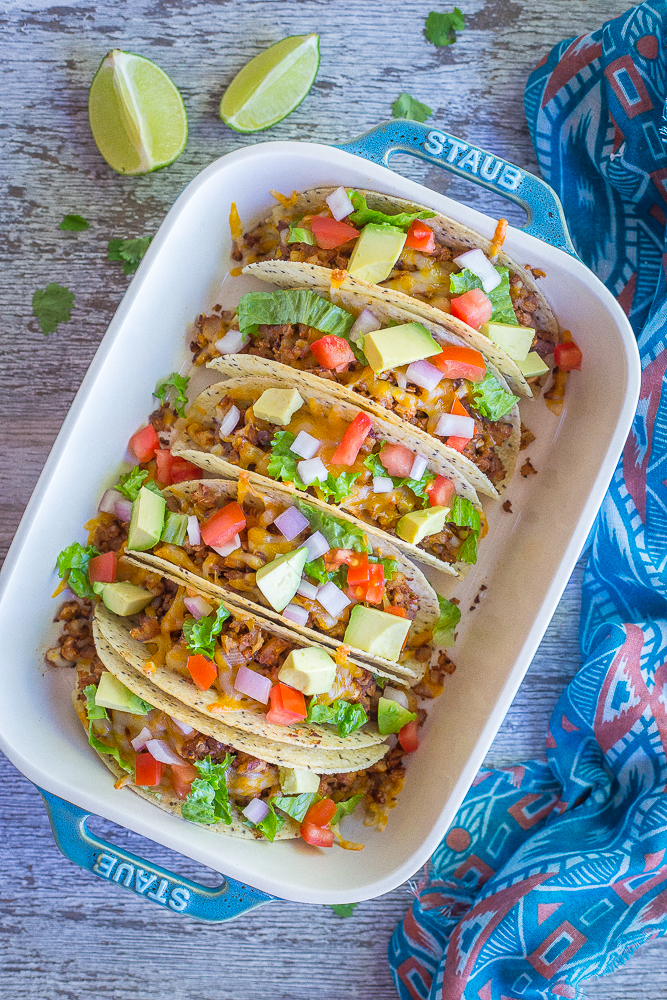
533	366
279	580
309	670
112	694
376	251
125	598
376	632
296	780
399	345
418	524
392	716
278	406
514	340
147	521
175	527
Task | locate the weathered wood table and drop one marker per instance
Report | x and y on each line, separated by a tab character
65	934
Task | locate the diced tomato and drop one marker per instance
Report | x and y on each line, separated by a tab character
352	440
147	770
358	569
317	836
334	558
397	459
102	569
173	469
441	492
182	777
330	234
333	352
375	589
567	356
399	612
460	362
202	670
420	237
224	525
145	443
457	443
408	737
458	408
321	813
287	705
473	307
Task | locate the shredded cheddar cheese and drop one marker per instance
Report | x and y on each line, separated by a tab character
235	226
498	238
284	200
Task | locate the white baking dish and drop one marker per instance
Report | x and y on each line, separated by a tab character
525	561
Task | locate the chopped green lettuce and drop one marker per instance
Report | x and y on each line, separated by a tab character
297	234
292	305
464	515
200	635
380	681
175	527
72	565
491	399
418	486
336	488
132	481
503	310
208	801
283	462
339	534
362	214
468	550
346	716
295	806
316	570
271	824
450	616
390	566
346	808
200	806
93	712
180	384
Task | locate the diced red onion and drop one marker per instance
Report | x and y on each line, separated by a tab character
394	694
424	374
107	504
296	614
401	380
308	590
229	421
225	550
140	741
231	343
312	470
418	467
183	726
305	445
477	262
159	750
382	484
317	545
233	656
366	322
123	509
255	685
198	607
194	533
340	204
332	599
256	811
451	424
291	523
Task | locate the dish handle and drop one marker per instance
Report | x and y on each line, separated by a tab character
539	201
114	864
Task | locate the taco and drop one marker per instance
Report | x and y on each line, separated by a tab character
372	471
382	241
440	382
356	569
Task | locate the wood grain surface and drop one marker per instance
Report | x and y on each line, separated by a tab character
63	933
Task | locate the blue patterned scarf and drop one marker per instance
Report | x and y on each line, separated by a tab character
555	872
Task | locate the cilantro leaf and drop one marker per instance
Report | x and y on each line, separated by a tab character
346	716
180	384
52	305
464	515
299	235
271	824
93	712
441	27
74	224
283	462
406	106
418	486
339	534
200	635
339	487
450	616
343	909
363	214
295	806
208	801
72	565
292	305
491	399
129	253
503	310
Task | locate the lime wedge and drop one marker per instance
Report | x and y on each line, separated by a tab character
136	114
272	84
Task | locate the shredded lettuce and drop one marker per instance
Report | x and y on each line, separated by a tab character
208	801
130	484
200	635
418	486
180	384
271	824
450	616
338	487
503	310
362	214
491	399
175	527
72	565
292	305
93	712
299	235
390	566
339	534
464	515
346	808
295	806
346	716
468	550
316	570
283	462
380	681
